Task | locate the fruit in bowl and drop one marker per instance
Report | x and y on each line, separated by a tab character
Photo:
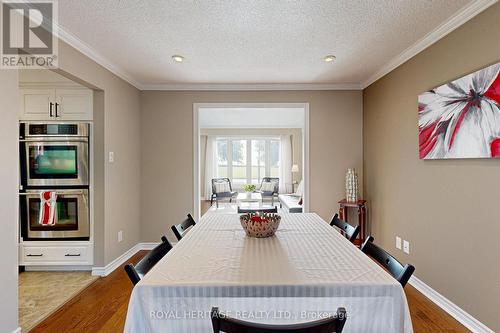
260	225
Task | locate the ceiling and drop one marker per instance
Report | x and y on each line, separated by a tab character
251	117
258	42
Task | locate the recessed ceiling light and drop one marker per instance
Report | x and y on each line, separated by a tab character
178	58
329	58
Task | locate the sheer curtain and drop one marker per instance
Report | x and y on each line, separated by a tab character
210	165
285	162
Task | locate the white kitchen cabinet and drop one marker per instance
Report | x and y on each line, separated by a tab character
56	104
55	253
74	104
37	104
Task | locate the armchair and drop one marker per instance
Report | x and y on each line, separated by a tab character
221	188
269	188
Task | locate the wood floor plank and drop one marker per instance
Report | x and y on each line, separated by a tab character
102	307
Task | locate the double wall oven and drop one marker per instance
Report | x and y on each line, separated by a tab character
55	159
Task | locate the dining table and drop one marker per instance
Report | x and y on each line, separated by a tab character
303	273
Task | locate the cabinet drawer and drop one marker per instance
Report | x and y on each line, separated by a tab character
55	255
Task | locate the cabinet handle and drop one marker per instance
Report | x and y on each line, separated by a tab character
57	104
50	109
72	255
34	255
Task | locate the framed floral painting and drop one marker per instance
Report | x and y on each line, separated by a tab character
461	119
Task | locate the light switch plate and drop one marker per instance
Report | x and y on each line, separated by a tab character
111	157
406	247
398	242
120	236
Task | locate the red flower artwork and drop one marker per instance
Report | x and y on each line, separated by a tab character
461	119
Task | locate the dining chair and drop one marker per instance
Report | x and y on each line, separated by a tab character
137	272
181	228
350	232
222	323
401	273
260	210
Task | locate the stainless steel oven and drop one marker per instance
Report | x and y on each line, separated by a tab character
54	154
71	218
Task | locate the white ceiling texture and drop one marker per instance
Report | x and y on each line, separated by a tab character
260	43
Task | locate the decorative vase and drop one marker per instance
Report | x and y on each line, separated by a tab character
351	185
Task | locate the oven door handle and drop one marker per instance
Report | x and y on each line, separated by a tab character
59	192
57	140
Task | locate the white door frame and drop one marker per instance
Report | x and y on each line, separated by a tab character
196	145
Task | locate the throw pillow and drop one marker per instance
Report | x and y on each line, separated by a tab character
268	186
300	188
222	187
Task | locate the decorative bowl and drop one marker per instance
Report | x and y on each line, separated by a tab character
260	226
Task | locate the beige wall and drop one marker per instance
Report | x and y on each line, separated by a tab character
117	129
167	153
121	135
447	209
8	198
295	135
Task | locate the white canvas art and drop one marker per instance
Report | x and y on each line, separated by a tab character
461	119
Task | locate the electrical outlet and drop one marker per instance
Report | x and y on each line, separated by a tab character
120	236
111	156
398	242
406	247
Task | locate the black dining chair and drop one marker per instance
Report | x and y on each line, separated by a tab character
181	228
334	324
401	273
350	232
137	272
260	210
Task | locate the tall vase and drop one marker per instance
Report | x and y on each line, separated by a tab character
351	185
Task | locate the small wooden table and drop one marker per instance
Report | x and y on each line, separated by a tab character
361	207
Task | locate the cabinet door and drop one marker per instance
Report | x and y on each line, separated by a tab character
35	104
74	104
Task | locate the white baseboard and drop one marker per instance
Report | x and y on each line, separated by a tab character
451	308
17	330
57	268
106	270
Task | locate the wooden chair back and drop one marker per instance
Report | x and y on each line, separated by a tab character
259	210
137	272
349	231
401	273
181	228
334	324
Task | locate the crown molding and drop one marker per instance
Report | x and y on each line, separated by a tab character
90	52
455	21
251	87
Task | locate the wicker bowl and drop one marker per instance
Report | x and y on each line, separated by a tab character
260	226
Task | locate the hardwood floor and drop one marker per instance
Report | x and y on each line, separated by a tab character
102	307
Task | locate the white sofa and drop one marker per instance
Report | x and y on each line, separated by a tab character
290	202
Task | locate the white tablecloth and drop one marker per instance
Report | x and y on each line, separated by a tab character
305	272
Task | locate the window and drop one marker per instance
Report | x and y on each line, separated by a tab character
222	158
239	162
248	160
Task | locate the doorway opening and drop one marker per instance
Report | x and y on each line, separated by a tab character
250	153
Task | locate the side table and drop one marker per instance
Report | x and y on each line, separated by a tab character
360	205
